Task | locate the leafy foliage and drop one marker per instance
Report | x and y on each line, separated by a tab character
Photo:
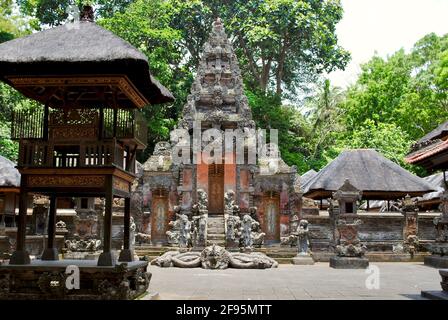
283	46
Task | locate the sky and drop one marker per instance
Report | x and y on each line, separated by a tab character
385	26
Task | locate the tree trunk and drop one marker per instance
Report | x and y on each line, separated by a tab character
264	79
249	57
280	68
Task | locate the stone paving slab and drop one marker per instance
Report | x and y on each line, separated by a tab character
397	280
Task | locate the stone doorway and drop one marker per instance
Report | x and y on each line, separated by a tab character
271	210
216	189
159	216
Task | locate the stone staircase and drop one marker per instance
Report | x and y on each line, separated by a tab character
216	230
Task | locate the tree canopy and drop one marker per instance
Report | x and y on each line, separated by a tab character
285	49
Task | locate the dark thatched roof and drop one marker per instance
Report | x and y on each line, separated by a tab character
370	172
9	175
438	183
82	48
437	133
307	176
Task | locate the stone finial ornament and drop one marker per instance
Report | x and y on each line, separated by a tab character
87	14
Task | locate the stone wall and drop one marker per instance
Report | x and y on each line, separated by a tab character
379	231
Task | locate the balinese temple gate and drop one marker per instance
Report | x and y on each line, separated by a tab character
225	190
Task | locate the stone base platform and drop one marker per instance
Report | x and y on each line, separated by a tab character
435	295
81	255
438	262
41	280
348	263
302	260
439	295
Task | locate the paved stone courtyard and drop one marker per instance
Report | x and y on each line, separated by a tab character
397	281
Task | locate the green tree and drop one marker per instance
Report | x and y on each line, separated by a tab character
386	138
49	13
325	117
270	113
404	89
11	24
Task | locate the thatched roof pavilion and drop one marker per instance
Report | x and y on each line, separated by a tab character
9	176
307	176
80	50
377	177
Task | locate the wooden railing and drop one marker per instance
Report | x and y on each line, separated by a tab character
27	124
130	124
45	154
118	123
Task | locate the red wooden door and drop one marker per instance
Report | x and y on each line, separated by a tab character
216	188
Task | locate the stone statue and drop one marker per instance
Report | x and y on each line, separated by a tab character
184	231
132	229
233	230
249	231
202	201
246	241
200	230
229	202
258	238
302	237
411	245
81	245
257	235
180	233
303	256
173	234
215	257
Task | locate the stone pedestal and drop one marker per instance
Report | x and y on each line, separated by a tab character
439	295
302	259
348	262
45	280
435	261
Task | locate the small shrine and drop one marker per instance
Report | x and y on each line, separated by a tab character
347	246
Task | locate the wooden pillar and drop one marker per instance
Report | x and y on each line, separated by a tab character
20	256
127	253
106	258
50	252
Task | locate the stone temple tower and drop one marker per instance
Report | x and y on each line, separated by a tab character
217	102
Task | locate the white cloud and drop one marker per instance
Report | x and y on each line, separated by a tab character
385	26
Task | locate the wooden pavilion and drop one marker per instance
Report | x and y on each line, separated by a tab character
83	142
431	151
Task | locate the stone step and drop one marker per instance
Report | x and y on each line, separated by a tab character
218	243
216	237
216	219
283	260
218	223
215	225
215	230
